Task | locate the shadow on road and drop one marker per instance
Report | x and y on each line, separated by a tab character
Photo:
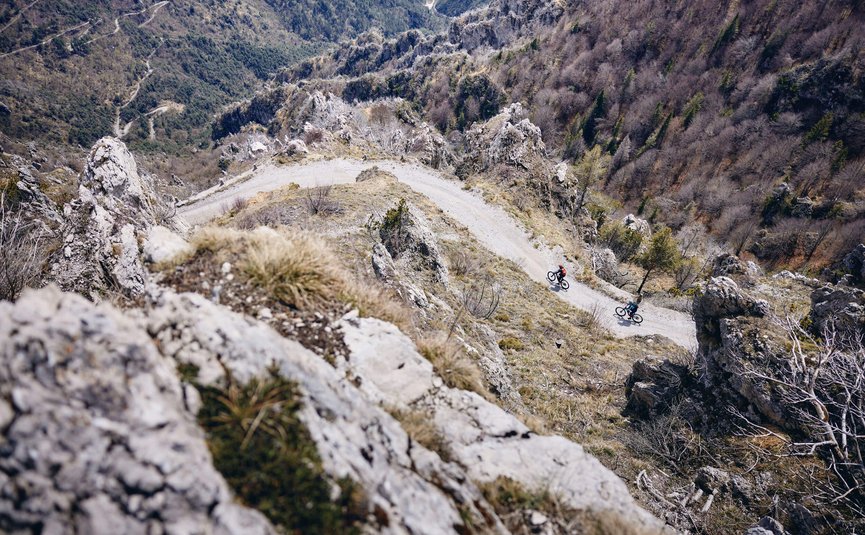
556	288
625	322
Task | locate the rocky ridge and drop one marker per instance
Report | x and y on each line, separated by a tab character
138	461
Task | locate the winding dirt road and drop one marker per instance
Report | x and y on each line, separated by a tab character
489	224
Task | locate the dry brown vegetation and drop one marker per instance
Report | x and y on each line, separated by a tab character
702	109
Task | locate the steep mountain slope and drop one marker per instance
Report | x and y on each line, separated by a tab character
704	108
155	72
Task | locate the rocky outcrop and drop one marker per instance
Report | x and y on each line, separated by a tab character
502	23
722	300
654	386
483	439
640	226
854	264
103	226
409	486
96	434
840	308
605	264
738	348
509	138
411	243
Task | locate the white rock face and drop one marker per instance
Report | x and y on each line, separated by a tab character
508	138
163	244
102	227
96	438
638	225
484	439
416	490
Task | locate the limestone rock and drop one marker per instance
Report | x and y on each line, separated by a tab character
839	306
162	244
409	485
638	225
720	299
509	138
653	386
99	440
102	227
854	263
375	173
295	146
486	441
416	244
503	23
605	264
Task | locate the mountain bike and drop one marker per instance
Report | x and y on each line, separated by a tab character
553	276
622	312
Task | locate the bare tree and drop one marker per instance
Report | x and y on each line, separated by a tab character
824	391
21	252
482	299
318	201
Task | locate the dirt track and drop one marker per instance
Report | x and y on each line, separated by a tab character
490	225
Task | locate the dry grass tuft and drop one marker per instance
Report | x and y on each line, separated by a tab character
374	302
452	364
420	427
297	270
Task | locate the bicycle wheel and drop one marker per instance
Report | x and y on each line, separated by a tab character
620	311
637	318
551	276
564	284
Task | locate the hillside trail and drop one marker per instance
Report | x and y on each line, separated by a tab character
489	224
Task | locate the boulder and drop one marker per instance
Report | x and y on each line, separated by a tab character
727	265
653	386
295	146
605	264
638	225
854	263
162	244
97	437
721	298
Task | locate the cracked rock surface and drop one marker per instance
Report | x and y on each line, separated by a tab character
96	438
486	441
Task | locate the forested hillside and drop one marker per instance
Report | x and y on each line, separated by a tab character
70	67
705	109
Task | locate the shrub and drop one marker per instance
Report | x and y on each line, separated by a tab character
268	458
624	242
509	342
318	201
22	252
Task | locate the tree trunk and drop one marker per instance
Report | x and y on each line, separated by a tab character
645	278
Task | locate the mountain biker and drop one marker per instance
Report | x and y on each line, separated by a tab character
634	305
560	274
